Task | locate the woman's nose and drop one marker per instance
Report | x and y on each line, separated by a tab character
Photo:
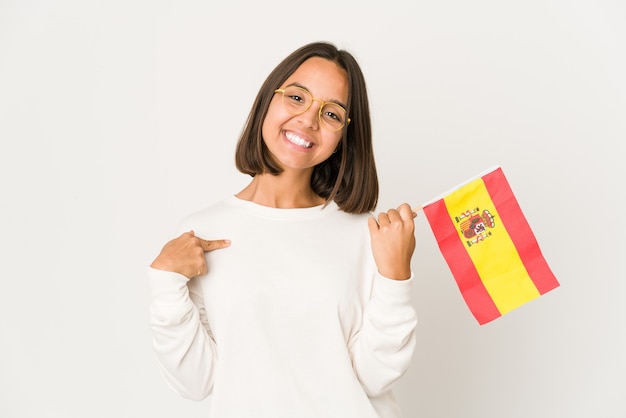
311	118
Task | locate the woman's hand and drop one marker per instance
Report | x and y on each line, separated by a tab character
185	254
393	241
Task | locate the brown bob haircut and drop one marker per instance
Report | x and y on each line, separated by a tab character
348	176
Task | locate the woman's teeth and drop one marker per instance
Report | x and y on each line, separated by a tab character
297	140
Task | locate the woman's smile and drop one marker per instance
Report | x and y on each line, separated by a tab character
297	140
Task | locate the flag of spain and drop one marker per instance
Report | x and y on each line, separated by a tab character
489	246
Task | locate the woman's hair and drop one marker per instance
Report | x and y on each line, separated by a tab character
349	175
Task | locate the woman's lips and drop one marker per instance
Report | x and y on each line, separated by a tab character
295	139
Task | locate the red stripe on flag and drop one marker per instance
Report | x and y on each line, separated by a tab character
519	230
469	282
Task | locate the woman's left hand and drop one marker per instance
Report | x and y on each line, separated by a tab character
393	241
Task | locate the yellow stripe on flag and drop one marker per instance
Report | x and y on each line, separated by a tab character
495	257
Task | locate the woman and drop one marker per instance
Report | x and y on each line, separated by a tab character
302	307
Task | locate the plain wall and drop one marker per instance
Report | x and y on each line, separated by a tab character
118	118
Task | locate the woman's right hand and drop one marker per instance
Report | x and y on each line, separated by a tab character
185	254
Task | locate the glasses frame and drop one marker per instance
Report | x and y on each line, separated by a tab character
319	113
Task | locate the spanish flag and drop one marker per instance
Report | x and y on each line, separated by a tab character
489	246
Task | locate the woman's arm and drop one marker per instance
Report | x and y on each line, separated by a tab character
383	348
185	350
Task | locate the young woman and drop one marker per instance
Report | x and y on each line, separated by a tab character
290	299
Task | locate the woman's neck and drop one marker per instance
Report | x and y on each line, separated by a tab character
282	191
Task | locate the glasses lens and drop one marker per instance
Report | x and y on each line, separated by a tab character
333	116
296	100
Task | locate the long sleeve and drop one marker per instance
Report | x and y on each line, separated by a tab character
185	350
383	348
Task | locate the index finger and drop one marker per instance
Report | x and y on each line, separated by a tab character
210	245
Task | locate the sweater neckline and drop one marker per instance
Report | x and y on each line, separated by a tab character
282	213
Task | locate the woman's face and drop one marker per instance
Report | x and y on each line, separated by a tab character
300	142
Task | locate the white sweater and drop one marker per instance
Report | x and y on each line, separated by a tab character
292	320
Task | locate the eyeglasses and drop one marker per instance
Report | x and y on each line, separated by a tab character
298	100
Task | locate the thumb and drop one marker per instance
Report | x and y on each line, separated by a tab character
210	245
406	212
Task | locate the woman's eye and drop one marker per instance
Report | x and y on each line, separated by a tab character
333	116
296	98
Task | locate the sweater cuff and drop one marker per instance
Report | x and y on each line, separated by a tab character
391	291
166	286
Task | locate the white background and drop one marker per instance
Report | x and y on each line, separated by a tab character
118	118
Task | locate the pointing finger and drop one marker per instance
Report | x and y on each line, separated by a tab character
210	245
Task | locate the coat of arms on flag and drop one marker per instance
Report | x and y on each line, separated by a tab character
489	246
